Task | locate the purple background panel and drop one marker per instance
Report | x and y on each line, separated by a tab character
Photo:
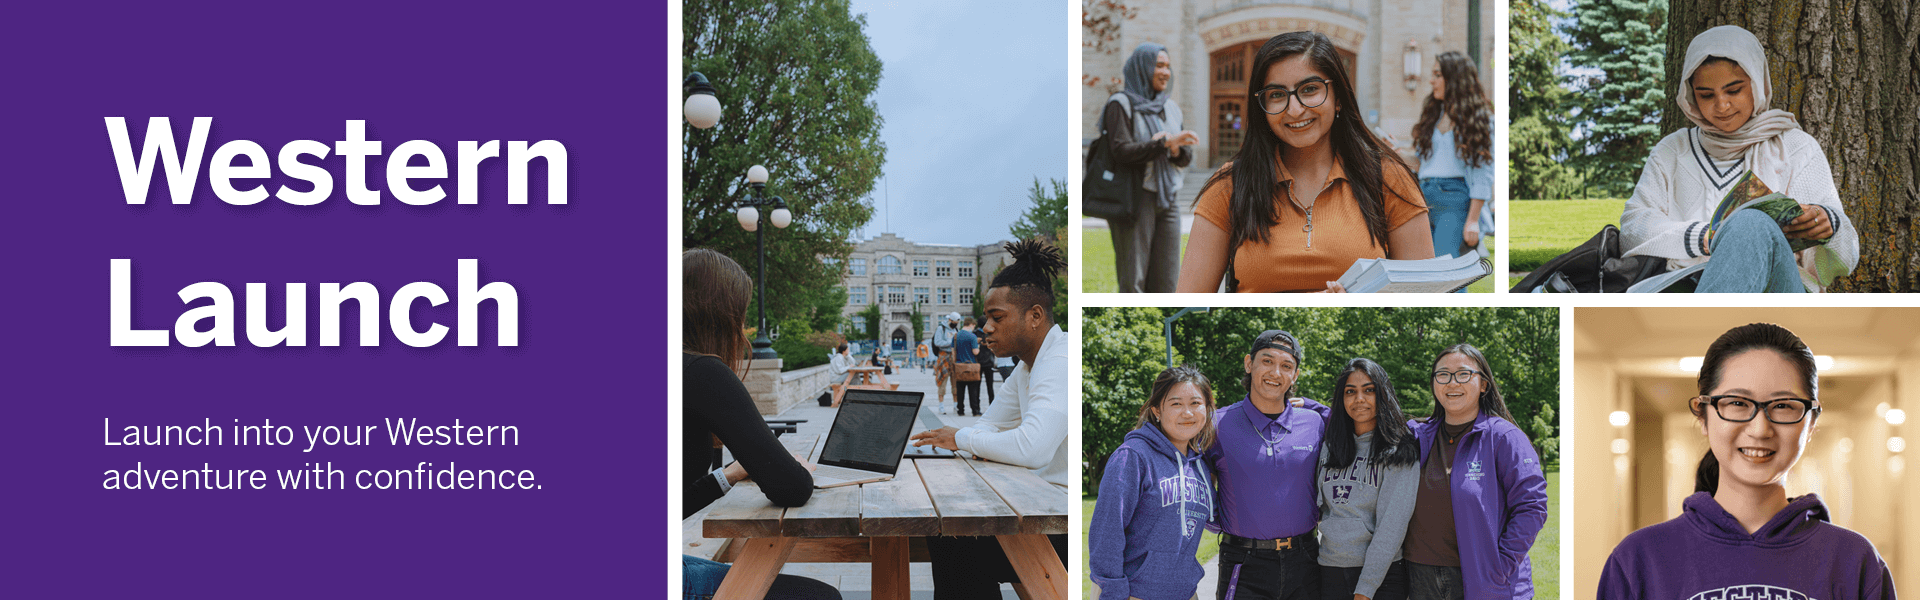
588	275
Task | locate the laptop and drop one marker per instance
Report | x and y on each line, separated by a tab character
868	439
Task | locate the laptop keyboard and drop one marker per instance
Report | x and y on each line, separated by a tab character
842	473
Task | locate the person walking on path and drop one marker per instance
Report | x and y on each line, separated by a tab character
966	349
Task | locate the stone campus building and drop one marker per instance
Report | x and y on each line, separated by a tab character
1212	43
895	273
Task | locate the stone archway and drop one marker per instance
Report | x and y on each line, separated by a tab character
1231	40
899	338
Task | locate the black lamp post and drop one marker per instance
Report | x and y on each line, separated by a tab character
750	220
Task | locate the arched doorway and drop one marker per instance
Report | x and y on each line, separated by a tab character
1227	91
900	339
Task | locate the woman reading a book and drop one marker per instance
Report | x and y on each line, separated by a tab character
1311	190
1687	207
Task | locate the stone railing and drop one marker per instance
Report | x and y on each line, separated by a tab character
775	392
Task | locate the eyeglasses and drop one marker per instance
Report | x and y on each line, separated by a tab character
1463	376
1737	409
1275	99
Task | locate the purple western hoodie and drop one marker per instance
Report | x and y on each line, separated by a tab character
1154	504
1499	504
1706	553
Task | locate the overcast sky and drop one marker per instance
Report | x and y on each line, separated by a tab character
975	100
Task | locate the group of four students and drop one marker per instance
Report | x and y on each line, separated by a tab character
1442	507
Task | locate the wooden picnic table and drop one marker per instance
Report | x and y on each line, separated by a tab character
886	524
871	378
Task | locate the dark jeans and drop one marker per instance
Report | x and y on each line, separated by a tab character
1269	574
1146	248
1428	582
961	391
986	376
1339	583
967	568
700	579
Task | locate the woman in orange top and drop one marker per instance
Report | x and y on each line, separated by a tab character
1312	189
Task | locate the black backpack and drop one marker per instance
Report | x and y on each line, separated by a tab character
1106	190
1595	266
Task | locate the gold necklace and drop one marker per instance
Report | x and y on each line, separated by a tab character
1308	228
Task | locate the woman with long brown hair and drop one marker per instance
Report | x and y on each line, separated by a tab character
715	405
1454	139
1312	189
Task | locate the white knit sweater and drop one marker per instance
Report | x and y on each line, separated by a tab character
1681	186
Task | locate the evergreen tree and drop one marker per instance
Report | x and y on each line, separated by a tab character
1538	140
1620	88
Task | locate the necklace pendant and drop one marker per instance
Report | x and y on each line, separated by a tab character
1268	449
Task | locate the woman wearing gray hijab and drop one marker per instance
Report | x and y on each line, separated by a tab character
1686	207
1143	125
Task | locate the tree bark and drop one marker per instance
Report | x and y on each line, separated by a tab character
1849	70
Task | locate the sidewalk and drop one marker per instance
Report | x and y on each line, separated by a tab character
855	580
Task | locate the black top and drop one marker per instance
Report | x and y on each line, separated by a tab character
1136	152
716	404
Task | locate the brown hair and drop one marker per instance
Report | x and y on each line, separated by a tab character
713	306
1163	385
1466	105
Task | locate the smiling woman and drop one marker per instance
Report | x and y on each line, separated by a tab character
1758	406
1482	495
1310	191
1688	206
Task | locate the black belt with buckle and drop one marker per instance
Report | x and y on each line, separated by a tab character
1287	543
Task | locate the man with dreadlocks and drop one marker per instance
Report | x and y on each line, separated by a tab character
1029	429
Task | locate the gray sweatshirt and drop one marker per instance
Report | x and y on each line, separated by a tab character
1363	514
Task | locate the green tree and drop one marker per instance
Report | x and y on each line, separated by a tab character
1622	44
1538	136
795	79
919	325
871	316
1123	349
1048	214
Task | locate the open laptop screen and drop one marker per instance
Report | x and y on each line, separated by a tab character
870	433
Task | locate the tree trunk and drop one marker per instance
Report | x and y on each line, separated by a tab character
1849	70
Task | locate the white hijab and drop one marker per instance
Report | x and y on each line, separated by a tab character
1759	139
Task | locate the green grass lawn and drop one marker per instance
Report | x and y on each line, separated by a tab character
1545	552
1543	229
1096	268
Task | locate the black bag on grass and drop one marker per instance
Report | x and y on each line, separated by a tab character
1594	266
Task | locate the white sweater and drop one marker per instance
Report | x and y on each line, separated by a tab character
1027	426
1681	186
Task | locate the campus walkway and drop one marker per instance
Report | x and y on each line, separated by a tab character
855	579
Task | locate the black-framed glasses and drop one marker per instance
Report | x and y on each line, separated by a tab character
1741	409
1275	99
1463	376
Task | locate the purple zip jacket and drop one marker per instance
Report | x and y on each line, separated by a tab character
1499	504
1706	553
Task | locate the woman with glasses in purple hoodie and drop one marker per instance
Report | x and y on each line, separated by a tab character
1741	536
1482	496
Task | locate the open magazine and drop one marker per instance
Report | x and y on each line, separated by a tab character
1748	192
1443	274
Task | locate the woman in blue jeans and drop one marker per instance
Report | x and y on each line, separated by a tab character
1683	208
1454	139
